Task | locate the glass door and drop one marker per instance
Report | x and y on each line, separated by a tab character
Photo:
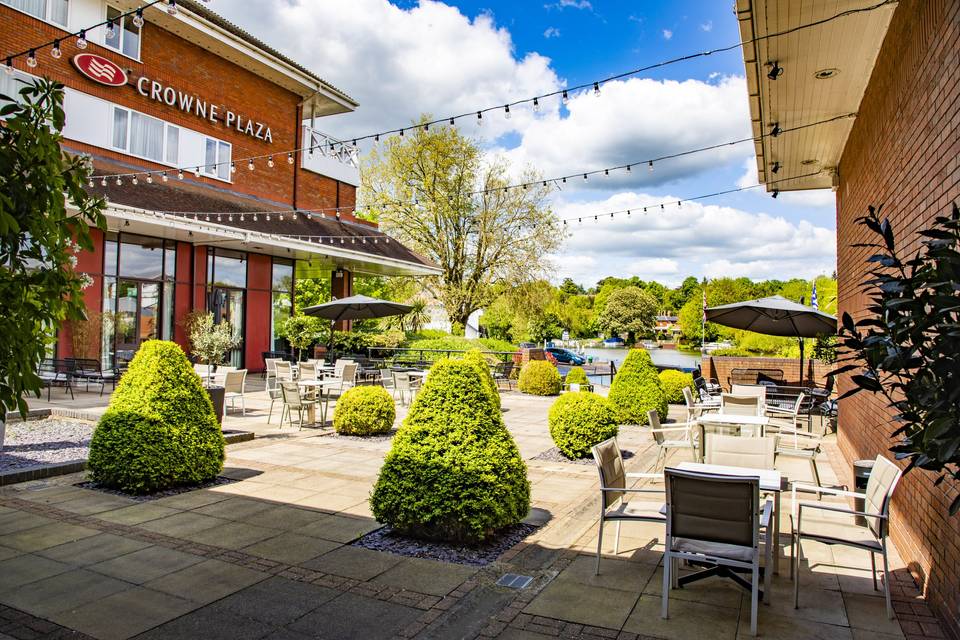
138	306
227	306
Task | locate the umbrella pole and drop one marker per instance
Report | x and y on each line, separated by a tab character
801	361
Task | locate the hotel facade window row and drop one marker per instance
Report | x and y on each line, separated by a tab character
192	91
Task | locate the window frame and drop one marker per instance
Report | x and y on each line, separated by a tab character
121	33
47	11
213	171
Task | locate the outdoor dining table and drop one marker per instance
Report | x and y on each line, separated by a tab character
321	386
771	481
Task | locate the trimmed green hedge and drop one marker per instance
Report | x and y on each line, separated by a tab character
636	389
576	375
673	382
159	430
476	358
539	378
580	420
454	472
364	411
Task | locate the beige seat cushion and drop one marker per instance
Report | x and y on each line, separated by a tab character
714	549
638	509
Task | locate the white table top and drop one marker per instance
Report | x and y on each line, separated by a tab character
726	418
418	374
769	478
318	383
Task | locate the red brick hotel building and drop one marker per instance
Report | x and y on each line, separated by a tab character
181	96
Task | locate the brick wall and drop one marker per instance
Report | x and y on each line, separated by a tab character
720	367
178	63
903	153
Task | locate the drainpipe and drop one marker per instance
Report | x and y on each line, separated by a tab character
298	137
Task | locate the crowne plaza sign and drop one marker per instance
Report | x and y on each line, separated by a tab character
193	104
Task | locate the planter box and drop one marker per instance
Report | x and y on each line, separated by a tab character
217	395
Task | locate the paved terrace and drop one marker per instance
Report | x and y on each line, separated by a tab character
269	557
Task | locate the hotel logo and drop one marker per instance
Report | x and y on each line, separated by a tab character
99	69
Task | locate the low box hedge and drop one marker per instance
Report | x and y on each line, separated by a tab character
580	420
364	411
539	378
636	389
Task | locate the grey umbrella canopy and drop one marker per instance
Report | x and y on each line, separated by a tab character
775	316
355	308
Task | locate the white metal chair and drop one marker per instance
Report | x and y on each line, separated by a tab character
293	400
233	383
270	373
308	371
741	405
386	379
880	487
737	451
795	442
694	408
717	519
614	505
758	390
284	371
670	438
405	386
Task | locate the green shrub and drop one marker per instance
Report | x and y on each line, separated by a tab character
364	411
673	382
475	358
576	375
580	420
539	378
454	343
454	472
636	389
159	430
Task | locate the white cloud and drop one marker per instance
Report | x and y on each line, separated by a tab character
696	239
569	4
637	119
399	63
551	32
807	198
707	26
667	34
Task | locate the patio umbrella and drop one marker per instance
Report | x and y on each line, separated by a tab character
355	308
775	316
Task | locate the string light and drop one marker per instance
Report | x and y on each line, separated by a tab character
651	166
138	18
134	181
270	162
536	105
172	7
164	176
55	53
596	89
82	39
775	130
290	158
180	174
32	59
233	167
250	166
479	118
149	179
506	111
110	30
565	98
8	66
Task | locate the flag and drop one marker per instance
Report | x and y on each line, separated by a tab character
704	306
813	297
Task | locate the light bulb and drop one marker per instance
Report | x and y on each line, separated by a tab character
149	179
111	30
270	162
479	118
506	112
536	105
138	18
250	165
172	7
164	176
289	158
103	182
233	167
650	165
596	89
82	39
135	181
55	53
32	59
564	97
180	174
119	181
8	66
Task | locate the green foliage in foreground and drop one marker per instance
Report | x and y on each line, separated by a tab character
576	375
364	411
458	343
636	389
159	430
454	472
673	382
580	420
539	378
476	358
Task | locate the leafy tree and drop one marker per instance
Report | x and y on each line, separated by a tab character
545	328
571	288
630	311
209	342
434	190
39	236
676	298
302	331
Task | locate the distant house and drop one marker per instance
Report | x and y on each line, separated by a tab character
667	325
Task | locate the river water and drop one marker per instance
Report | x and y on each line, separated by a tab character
668	358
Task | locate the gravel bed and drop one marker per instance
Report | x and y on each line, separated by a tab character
147	497
385	539
383	437
553	455
44	442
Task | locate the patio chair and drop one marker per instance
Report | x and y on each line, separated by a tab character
735	405
720	520
405	386
758	390
501	375
233	383
695	409
55	373
736	451
614	505
91	370
293	400
794	442
880	487
284	371
308	371
670	438
386	379
270	373
707	390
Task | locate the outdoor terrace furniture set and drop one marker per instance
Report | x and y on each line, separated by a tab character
302	387
65	372
716	517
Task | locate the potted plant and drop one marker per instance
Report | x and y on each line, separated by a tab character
301	332
210	343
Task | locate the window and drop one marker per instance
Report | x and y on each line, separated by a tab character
126	35
144	136
281	302
217	159
227	268
54	11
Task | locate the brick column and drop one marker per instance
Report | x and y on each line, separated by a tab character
341	286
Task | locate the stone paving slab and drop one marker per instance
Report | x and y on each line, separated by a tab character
426	576
291	548
146	564
355	616
93	550
125	614
206	581
354	562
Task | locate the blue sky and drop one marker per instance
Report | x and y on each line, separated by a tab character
404	58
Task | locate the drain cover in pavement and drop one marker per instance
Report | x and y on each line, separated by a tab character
514	581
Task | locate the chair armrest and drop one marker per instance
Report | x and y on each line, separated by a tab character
797	432
828	507
766	514
632	490
668	429
827	490
652	476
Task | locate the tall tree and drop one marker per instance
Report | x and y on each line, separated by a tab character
436	190
45	216
630	310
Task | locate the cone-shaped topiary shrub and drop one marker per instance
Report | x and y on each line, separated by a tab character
539	378
454	472
475	357
673	382
576	375
636	389
159	430
580	420
364	411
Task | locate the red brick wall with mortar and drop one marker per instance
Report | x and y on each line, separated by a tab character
903	153
175	62
720	367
